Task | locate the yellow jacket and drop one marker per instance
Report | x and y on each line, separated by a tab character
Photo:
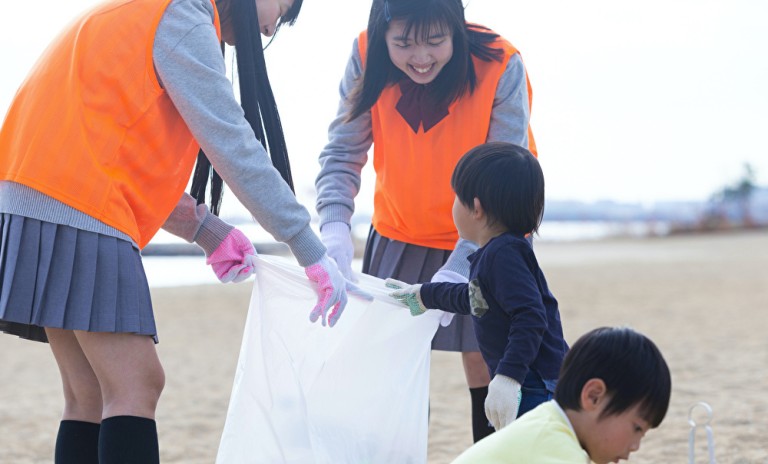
541	436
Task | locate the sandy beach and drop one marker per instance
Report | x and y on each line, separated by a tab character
703	299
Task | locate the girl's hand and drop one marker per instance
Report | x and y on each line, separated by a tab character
331	289
407	294
233	259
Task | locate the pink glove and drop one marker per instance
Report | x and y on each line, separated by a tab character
331	290
233	259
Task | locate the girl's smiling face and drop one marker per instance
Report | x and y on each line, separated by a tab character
420	58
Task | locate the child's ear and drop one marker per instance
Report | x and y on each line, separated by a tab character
592	394
477	209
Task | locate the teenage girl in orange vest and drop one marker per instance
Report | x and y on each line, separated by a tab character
423	86
95	152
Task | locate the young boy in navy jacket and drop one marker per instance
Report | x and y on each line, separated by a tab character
499	201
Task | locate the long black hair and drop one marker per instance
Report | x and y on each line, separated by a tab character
256	98
457	77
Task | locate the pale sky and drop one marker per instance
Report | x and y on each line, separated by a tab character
632	101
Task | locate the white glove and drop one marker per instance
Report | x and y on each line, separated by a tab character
337	238
503	401
408	295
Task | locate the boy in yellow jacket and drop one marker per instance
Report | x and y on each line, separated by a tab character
614	386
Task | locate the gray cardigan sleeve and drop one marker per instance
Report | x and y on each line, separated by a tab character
343	158
188	61
511	115
195	223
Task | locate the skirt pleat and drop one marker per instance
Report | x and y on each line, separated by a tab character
57	276
53	292
44	267
412	264
81	288
105	294
21	268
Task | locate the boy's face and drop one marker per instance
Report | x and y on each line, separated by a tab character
461	216
611	438
466	221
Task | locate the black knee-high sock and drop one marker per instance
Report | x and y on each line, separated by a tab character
128	440
481	428
77	443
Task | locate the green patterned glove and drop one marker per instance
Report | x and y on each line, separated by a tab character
408	295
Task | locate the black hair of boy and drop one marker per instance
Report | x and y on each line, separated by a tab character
630	364
508	181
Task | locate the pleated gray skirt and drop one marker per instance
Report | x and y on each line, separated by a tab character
412	264
61	277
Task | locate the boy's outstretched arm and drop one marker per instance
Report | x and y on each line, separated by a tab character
449	297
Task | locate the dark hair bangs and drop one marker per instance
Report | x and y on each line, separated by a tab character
291	15
650	389
424	22
653	407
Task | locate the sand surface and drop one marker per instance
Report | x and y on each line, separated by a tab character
703	299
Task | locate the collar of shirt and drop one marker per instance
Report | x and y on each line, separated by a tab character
568	421
416	108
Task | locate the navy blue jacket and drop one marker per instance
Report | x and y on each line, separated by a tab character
515	315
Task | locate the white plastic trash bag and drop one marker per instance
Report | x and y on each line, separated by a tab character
356	393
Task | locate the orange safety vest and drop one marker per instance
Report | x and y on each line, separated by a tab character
92	127
413	196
